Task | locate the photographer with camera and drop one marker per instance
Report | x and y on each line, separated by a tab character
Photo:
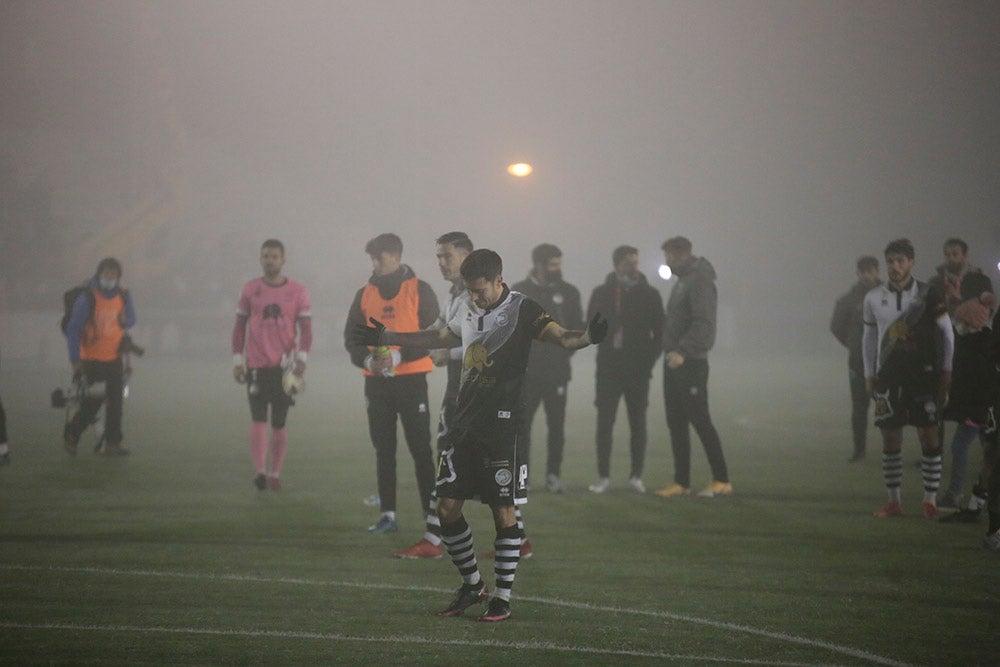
96	340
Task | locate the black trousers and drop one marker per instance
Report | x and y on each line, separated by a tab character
685	397
111	374
614	382
405	397
860	400
552	396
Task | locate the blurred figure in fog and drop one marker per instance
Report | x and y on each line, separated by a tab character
625	359
947	279
847	326
272	337
973	389
4	447
395	377
907	350
548	366
94	335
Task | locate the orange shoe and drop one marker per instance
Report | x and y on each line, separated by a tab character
716	489
930	511
889	510
673	491
422	549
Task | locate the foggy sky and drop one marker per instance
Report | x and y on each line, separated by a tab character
784	138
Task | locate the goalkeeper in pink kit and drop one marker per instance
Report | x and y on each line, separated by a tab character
271	341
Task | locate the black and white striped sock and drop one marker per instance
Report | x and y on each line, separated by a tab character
457	538
508	553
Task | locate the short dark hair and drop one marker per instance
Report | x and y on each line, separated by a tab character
389	243
109	263
952	242
867	263
676	244
900	247
457	239
544	252
621	252
273	243
482	263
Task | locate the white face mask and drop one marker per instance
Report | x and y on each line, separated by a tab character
107	284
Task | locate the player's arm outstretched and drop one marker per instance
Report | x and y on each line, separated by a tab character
573	339
377	335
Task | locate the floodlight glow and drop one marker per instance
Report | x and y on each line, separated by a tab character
520	169
665	272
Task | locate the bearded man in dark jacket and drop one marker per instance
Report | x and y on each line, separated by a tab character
625	359
688	335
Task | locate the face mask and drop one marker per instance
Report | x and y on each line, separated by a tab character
107	284
553	276
628	279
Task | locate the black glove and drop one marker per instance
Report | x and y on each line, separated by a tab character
365	335
597	329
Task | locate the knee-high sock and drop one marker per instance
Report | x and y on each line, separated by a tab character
279	445
892	473
930	467
508	553
432	533
457	538
258	446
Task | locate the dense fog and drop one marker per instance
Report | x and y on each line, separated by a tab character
784	139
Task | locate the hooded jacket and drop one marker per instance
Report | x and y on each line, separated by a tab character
689	325
562	302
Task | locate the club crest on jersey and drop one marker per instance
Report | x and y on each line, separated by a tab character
501	318
476	357
503	477
272	311
557	299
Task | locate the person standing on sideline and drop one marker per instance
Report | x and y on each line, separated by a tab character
395	377
548	366
907	349
847	327
272	335
973	386
451	249
625	360
688	335
4	447
481	457
94	337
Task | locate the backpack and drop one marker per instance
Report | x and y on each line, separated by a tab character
69	299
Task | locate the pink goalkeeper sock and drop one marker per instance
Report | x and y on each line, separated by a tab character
258	446
279	445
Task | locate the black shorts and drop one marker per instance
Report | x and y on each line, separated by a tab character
471	465
264	388
911	404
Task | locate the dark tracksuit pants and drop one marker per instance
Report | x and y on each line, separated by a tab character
112	374
614	381
404	396
685	397
552	396
860	400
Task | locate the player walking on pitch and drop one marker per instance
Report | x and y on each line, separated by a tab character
481	456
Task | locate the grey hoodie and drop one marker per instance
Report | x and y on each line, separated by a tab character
689	327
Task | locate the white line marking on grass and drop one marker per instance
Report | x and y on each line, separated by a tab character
780	636
398	639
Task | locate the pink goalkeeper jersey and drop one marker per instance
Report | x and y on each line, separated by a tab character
272	314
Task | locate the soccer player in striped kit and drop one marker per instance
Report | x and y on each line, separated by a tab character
481	457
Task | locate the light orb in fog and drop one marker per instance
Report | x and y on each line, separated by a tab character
520	169
665	272
998	266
